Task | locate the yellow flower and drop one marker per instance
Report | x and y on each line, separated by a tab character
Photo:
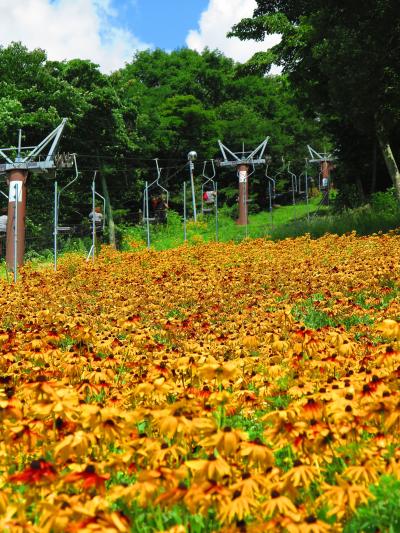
257	454
389	329
282	505
226	441
301	475
237	508
214	468
344	497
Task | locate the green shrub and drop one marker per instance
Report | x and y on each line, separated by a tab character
384	202
347	197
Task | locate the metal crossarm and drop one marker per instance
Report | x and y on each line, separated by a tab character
5	156
225	149
256	157
31	160
316	157
258	153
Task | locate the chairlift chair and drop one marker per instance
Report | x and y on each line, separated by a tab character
208	190
281	171
274	178
57	195
64	229
100	226
152	186
302	181
302	178
294	179
271	187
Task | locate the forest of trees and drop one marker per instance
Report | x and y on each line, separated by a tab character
341	58
339	89
161	105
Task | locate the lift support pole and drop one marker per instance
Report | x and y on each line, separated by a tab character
17	194
243	172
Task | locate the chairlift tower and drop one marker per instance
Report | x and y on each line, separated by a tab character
324	160
16	164
243	161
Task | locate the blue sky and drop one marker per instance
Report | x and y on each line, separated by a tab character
164	23
110	32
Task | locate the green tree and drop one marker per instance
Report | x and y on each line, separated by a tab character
33	99
343	59
186	100
107	132
160	105
100	128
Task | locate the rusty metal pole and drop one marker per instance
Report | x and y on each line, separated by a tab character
243	172
17	193
326	167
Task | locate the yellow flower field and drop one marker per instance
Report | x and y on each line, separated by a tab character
218	387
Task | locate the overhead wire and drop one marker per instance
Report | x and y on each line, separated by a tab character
90	156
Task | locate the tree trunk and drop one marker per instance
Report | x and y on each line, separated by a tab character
390	161
360	189
373	176
111	225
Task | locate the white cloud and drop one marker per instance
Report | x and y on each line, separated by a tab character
68	29
217	20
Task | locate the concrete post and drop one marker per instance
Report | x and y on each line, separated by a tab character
16	177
